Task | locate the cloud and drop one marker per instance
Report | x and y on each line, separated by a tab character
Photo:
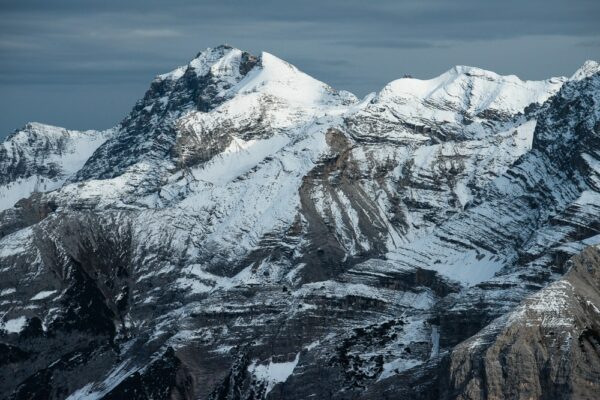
392	43
155	33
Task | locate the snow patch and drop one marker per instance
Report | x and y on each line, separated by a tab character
43	295
6	292
273	373
15	325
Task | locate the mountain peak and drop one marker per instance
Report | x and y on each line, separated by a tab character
472	90
280	79
475	71
589	68
221	48
223	55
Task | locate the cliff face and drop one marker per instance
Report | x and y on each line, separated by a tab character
548	348
250	232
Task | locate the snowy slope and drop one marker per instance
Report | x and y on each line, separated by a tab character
40	158
245	222
463	103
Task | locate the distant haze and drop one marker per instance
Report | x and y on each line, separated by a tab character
82	64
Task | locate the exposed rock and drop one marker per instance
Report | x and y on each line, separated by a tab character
548	348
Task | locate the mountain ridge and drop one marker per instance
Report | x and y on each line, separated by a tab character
246	224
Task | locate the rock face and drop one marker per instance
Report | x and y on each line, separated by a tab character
549	347
249	232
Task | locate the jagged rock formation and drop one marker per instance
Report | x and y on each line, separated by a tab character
250	232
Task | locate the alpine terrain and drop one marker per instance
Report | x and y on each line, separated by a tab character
249	232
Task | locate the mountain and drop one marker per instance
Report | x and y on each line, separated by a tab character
40	158
249	232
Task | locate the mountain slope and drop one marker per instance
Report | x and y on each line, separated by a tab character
250	232
40	158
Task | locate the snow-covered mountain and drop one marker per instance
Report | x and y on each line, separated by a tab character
40	158
250	232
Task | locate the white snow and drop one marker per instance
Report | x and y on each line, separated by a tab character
15	325
273	373
282	80
588	68
193	286
173	75
238	158
94	391
463	193
45	145
43	295
549	305
15	243
468	88
333	289
23	188
5	292
468	267
315	344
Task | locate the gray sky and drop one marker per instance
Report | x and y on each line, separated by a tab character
82	64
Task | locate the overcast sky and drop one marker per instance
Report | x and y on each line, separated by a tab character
82	64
